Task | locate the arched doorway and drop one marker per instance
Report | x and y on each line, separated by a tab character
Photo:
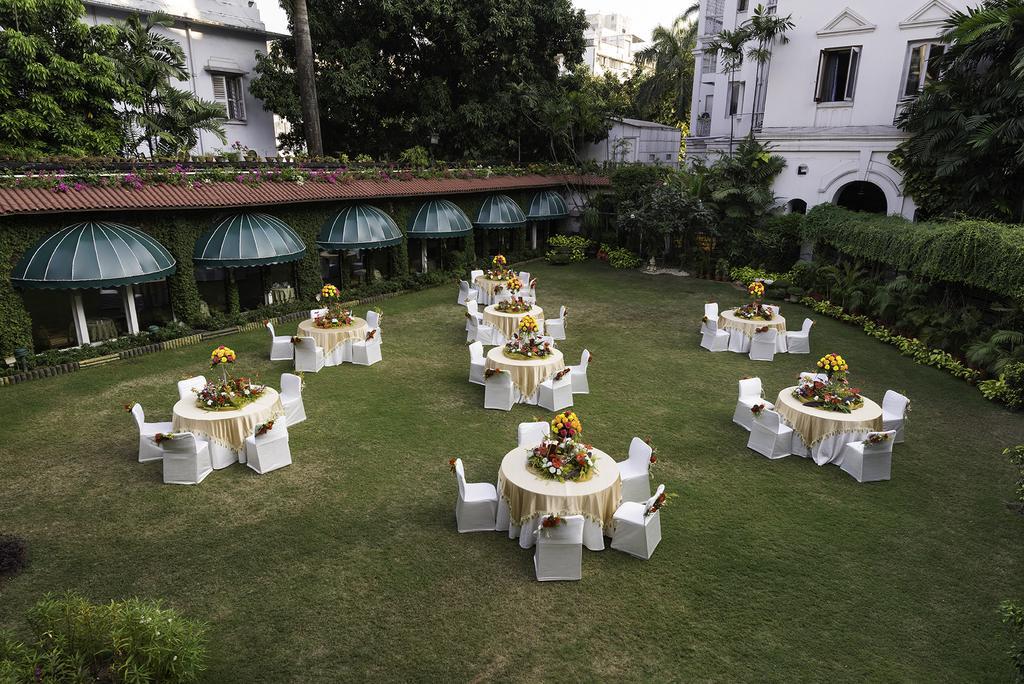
796	206
862	196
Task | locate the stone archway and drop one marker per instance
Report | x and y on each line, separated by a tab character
862	196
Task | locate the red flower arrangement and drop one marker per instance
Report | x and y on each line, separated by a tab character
264	428
492	371
161	437
550	521
756	409
659	503
451	464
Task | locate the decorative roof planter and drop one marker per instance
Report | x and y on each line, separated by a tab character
361	226
92	255
546	205
499	212
248	239
439	219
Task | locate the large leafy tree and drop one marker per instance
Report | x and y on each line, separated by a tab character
666	69
389	75
965	153
57	86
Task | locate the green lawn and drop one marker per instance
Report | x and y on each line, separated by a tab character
347	565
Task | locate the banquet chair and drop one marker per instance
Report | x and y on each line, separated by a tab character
799	342
807	377
525	277
869	462
529	294
556	326
186	459
770	437
308	356
373	323
710	313
762	345
314	313
894	414
750	392
466	292
367	352
578	374
477	363
775	309
269	451
635	471
473	309
148	451
712	338
531	434
474	274
499	392
559	551
634	531
476	509
484	333
555	395
503	296
291	398
187	388
280	345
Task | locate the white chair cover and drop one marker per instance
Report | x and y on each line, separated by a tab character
762	345
531	434
373	323
309	358
555	327
525	277
281	348
710	313
894	413
635	532
367	352
291	399
578	374
750	393
485	333
269	451
187	388
635	471
499	392
466	292
869	462
477	363
474	274
712	338
769	437
186	459
148	451
477	506
555	395
559	552
799	342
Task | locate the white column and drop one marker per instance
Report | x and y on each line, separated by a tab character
78	315
128	297
423	255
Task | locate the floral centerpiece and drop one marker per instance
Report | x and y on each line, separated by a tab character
528	342
755	310
563	457
336	317
513	284
514	305
499	268
329	293
230	393
833	393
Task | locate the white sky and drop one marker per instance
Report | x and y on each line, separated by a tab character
646	14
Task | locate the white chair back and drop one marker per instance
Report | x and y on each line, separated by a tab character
775	309
464	288
532	434
525	277
765	337
894	403
751	388
711	310
476	351
305	352
585	359
650	502
569	532
138	415
807	377
806	327
474	274
561	314
182	443
291	385
640	453
883	447
460	475
372	319
188	388
770	420
314	313
711	324
270	327
471	307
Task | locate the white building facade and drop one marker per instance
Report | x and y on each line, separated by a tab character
610	44
221	39
633	141
828	98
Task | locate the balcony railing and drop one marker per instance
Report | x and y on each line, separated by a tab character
757	122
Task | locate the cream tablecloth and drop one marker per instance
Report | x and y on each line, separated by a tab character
822	434
525	497
329	338
527	374
727	320
508	323
485	286
226	430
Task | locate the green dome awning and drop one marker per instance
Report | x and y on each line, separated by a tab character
248	240
361	226
93	254
547	204
439	219
499	212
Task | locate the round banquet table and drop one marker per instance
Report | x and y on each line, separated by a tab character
527	374
336	342
508	323
226	430
742	330
525	497
823	434
485	288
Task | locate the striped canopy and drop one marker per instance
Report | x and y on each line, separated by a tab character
361	226
248	239
547	204
499	212
93	254
439	219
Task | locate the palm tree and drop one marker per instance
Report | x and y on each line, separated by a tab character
729	45
764	28
670	56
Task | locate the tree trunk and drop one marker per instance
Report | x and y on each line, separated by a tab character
306	76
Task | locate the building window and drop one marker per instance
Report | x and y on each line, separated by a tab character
741	5
837	74
922	67
734	105
708	62
228	90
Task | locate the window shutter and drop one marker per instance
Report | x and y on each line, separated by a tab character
851	73
220	88
821	76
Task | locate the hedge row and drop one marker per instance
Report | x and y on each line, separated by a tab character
975	253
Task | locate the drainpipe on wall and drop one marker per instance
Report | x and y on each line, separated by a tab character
192	77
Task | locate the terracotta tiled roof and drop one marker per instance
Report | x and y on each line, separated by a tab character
224	195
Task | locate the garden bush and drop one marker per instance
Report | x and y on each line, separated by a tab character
567	249
1016	457
620	257
13	554
1013	618
75	640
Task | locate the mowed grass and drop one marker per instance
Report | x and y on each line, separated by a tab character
347	565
